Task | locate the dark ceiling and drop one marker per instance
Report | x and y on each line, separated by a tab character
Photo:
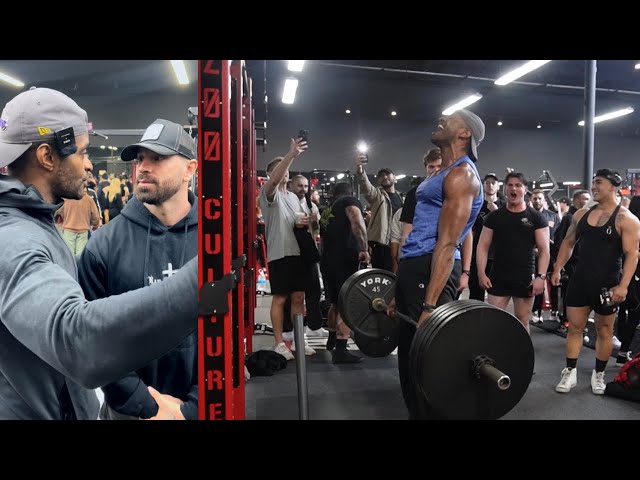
420	89
131	93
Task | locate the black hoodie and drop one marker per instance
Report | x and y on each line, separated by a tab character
133	251
55	346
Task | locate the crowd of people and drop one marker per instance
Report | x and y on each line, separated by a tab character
455	229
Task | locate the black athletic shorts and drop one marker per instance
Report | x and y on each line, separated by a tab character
334	276
510	285
287	275
584	292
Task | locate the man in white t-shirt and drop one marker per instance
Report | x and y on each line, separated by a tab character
280	209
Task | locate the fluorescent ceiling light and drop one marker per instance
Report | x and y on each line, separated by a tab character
520	71
6	78
340	176
546	185
180	71
570	184
289	92
637	67
462	103
400	177
295	65
609	116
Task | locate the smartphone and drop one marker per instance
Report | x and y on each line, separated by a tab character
303	134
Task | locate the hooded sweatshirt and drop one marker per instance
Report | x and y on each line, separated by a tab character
55	346
133	251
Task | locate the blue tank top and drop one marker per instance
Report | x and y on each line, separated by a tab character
429	198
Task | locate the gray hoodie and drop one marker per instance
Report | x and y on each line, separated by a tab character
55	346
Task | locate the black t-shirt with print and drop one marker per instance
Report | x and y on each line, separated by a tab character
514	240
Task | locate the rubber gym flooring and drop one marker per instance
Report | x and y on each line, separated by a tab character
370	390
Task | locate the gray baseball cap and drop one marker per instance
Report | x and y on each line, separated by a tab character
33	116
164	138
476	125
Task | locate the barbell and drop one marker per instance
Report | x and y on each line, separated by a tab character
470	360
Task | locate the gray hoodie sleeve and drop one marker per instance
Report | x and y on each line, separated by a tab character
97	342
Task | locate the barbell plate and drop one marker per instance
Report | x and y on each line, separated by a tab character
375	347
445	375
422	336
355	297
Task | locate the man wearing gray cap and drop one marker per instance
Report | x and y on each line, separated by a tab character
447	206
152	238
55	346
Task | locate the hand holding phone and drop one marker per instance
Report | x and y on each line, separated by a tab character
303	134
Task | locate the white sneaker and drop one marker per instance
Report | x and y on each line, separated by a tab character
568	380
321	332
287	336
307	349
616	342
282	349
536	319
597	383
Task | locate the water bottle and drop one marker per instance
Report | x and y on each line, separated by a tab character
261	285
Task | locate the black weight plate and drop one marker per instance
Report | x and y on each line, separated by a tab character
445	374
375	347
355	297
440	316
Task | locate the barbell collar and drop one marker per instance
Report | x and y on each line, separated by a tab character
379	305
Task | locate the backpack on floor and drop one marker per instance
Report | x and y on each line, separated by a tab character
629	374
626	384
264	363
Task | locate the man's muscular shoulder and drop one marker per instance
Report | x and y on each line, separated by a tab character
625	218
462	180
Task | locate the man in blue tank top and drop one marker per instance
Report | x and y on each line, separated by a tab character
447	206
606	232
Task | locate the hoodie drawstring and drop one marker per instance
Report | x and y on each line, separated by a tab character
184	245
146	254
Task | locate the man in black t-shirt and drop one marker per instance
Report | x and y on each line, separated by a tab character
491	203
515	230
344	248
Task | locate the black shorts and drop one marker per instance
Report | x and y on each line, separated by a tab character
583	292
287	275
510	286
334	276
413	278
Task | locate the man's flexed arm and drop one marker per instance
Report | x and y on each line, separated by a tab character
460	188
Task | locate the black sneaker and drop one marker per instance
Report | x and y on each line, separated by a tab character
344	356
331	341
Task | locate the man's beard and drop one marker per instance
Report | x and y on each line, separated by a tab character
158	195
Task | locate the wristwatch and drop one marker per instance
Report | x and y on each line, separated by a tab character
543	276
468	272
427	307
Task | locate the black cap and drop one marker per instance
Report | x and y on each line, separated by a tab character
382	171
164	138
611	175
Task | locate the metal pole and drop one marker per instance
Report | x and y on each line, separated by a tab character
301	369
589	113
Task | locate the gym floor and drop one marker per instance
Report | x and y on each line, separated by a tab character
370	390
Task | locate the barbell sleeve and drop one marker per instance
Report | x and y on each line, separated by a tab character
503	381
